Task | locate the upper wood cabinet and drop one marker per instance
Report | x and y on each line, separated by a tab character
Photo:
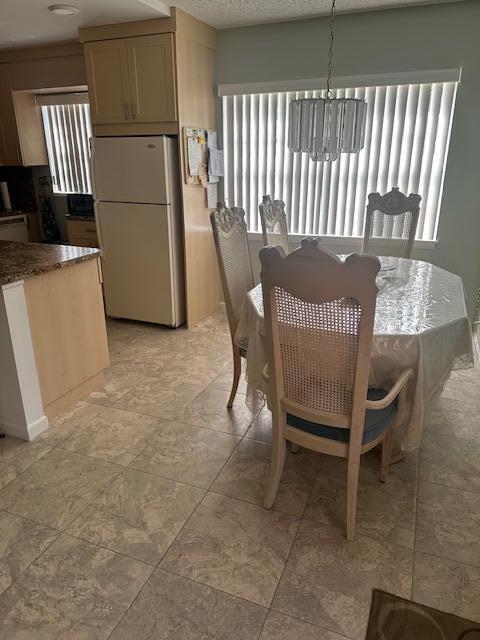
131	80
108	85
22	140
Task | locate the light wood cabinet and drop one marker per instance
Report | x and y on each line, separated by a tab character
131	80
108	85
67	325
82	233
22	141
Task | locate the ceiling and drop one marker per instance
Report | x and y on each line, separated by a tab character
28	22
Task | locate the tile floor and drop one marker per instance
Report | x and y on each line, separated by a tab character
138	514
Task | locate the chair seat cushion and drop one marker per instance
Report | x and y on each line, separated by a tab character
376	422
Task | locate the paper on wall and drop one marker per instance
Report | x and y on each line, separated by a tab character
194	156
215	162
211	139
212	195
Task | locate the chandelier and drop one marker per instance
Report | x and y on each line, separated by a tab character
326	127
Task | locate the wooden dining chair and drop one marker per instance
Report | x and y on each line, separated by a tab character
319	318
274	223
391	224
233	254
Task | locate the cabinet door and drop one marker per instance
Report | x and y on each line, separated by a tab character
152	84
108	86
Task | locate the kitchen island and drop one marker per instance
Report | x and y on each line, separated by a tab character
53	341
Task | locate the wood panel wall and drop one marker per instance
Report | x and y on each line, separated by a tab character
195	66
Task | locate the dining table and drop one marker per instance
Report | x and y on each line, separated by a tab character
421	322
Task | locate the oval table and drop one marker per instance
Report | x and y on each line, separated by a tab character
420	322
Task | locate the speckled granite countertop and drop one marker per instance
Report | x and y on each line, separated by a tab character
20	260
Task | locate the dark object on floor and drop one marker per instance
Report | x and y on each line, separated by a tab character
393	618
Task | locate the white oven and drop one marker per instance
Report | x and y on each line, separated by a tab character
14	227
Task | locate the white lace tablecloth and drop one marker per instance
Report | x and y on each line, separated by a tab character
420	322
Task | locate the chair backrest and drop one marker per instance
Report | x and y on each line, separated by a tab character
391	224
274	223
319	318
233	254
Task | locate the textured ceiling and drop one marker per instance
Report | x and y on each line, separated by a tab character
235	13
28	22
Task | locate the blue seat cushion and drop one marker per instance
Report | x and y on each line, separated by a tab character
376	422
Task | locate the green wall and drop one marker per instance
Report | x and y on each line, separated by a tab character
411	39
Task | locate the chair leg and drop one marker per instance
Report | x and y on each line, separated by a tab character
278	460
352	493
387	448
237	369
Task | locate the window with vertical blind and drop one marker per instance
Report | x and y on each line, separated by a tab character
407	137
67	132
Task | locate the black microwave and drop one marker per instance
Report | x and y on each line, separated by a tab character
80	204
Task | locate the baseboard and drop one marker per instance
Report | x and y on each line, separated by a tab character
25	432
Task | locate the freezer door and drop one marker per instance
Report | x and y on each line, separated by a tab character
132	169
140	279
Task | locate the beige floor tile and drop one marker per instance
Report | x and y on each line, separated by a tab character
170	606
447	585
17	455
462	389
328	581
114	435
137	515
54	490
189	368
225	378
445	419
281	627
453	462
73	591
69	422
246	474
119	378
187	454
448	523
153	397
21	542
233	546
261	428
142	358
209	409
384	510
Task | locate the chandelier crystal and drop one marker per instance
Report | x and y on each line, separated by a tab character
326	127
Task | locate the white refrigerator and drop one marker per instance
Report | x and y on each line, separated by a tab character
138	216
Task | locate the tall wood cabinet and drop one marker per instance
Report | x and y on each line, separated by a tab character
155	77
131	79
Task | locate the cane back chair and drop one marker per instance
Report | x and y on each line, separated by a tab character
274	223
319	318
391	224
233	254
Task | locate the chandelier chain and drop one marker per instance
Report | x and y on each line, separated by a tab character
330	49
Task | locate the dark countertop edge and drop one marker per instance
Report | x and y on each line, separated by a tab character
23	274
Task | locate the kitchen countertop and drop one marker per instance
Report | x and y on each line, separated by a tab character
20	260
